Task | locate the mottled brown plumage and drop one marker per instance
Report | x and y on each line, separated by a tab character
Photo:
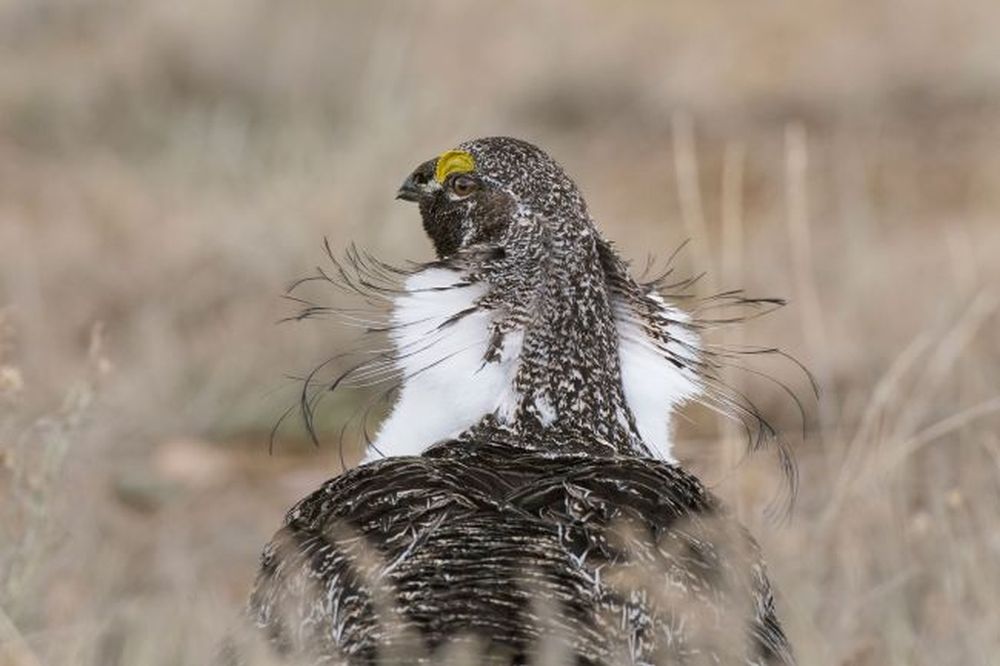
550	505
632	559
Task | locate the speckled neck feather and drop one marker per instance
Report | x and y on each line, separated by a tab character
522	490
568	384
561	302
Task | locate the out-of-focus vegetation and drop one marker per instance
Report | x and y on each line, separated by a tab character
166	168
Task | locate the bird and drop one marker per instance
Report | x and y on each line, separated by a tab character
522	496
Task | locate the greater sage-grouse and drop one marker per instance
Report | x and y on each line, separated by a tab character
521	500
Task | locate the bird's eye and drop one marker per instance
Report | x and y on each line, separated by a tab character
463	186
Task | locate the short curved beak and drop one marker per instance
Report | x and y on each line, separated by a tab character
409	190
420	183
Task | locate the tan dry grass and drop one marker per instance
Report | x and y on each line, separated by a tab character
165	170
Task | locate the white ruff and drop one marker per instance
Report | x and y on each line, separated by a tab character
654	386
447	387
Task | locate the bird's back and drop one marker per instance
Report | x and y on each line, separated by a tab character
617	560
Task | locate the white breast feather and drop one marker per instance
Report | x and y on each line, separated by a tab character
654	386
447	387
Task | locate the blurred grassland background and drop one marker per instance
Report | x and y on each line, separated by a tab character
167	168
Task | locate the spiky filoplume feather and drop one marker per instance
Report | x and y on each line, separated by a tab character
528	453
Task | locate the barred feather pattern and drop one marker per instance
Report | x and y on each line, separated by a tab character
636	562
538	377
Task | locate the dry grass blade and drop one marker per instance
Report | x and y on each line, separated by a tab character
166	171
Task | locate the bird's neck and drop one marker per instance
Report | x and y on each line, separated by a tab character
546	345
567	390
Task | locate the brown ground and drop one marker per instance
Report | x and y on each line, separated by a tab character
166	169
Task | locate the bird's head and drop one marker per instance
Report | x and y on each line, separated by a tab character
477	192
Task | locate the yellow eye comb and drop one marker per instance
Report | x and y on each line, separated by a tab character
453	161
